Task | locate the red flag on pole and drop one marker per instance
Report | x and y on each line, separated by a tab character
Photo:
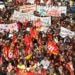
52	48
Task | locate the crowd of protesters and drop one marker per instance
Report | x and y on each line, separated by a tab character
26	52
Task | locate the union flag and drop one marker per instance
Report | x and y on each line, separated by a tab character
52	48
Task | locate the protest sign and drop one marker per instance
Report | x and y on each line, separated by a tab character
45	21
28	8
55	11
5	27
66	32
42	10
19	16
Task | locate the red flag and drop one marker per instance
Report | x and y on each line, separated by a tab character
43	72
14	39
18	71
37	23
27	40
1	60
10	54
33	33
70	68
5	51
15	53
52	48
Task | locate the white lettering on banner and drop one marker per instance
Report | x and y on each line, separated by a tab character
12	27
66	32
28	8
51	48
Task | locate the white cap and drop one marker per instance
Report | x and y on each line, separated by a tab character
45	67
10	35
28	29
27	69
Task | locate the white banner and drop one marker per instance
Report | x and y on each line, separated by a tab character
28	8
5	27
19	16
42	10
52	10
66	32
45	21
56	11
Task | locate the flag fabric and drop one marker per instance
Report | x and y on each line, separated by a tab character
16	53
5	52
33	33
37	23
10	54
1	60
52	48
14	39
70	68
28	43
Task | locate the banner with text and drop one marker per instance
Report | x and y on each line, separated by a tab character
55	11
45	21
5	27
28	8
66	32
19	16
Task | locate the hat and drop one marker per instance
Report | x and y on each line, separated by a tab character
10	35
28	69
45	67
